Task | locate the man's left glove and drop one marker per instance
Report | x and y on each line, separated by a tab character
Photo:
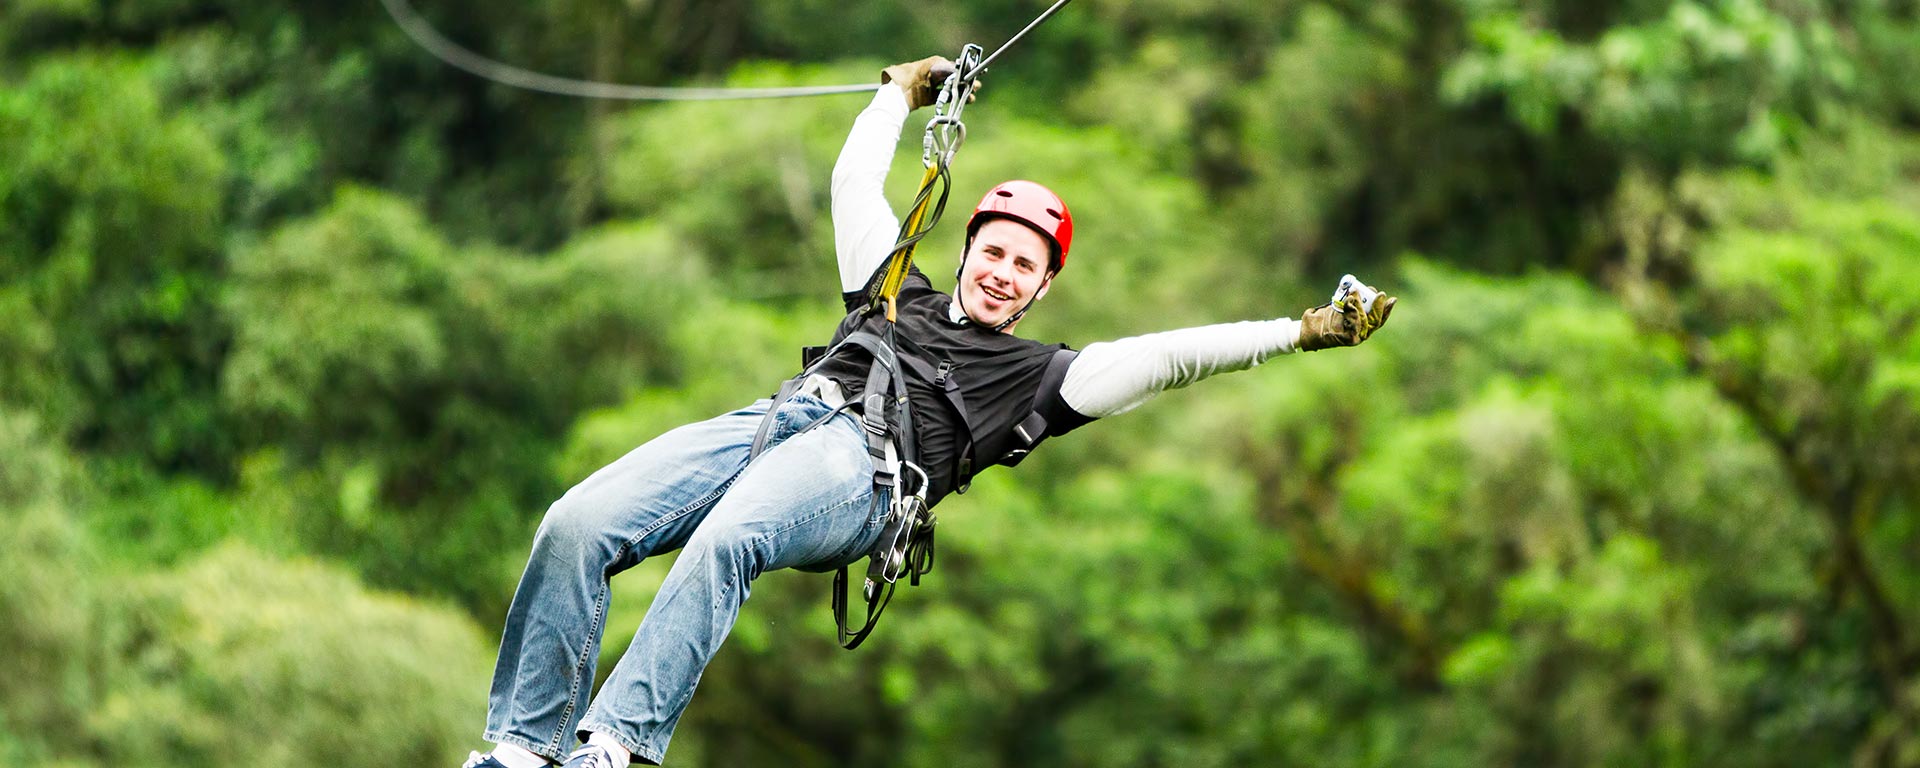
920	80
1347	321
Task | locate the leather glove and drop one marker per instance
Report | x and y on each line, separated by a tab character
920	80
1343	324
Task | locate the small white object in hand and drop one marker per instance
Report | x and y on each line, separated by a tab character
1351	284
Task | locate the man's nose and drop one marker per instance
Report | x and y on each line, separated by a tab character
1003	271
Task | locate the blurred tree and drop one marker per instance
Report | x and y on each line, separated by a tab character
109	214
426	384
230	660
1804	319
237	659
1630	483
51	601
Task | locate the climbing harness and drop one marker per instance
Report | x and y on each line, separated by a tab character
905	546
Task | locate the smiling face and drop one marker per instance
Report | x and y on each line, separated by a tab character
1005	269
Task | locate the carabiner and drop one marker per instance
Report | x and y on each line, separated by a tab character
945	132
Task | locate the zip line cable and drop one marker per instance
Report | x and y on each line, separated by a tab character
1022	33
453	54
457	56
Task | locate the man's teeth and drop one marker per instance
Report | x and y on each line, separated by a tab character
998	296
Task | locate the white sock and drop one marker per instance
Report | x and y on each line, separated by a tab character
620	754
515	756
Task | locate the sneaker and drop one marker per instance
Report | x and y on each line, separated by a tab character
590	756
477	760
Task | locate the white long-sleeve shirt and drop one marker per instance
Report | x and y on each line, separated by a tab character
1107	378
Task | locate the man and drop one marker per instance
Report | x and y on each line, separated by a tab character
809	500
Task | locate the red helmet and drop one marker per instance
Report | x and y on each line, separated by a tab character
1032	205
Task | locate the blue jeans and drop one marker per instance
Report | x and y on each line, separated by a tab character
807	501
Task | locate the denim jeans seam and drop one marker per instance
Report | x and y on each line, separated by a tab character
769	536
674	516
686	698
600	599
580	664
875	519
503	737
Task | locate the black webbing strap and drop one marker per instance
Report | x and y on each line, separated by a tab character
1033	428
905	546
850	637
885	393
787	388
885	415
884	388
942	378
813	357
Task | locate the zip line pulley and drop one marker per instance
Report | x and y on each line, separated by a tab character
938	144
944	135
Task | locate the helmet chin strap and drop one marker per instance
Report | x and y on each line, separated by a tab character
1017	315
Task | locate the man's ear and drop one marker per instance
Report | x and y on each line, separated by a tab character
1044	285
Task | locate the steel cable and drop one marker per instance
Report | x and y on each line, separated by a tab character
455	55
423	34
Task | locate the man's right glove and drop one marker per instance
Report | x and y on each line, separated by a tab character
1345	322
920	80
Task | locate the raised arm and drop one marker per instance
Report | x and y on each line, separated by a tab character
864	226
1113	377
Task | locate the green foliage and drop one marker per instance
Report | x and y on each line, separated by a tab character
166	668
334	316
109	213
236	643
1700	81
395	383
762	225
1805	318
287	307
50	602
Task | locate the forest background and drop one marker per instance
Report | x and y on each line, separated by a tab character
301	330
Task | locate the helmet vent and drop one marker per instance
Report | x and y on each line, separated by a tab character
1004	193
1055	214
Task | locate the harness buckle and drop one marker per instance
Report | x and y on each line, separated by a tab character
908	530
873	413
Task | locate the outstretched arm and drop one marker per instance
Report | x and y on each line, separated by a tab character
1113	377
